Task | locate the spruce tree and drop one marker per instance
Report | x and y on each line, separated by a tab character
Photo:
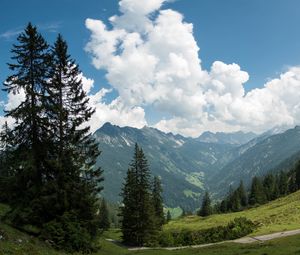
223	206
292	185
242	195
6	172
138	220
283	183
297	177
206	208
30	133
157	202
235	201
129	213
55	184
74	149
276	192
104	221
169	217
257	193
269	186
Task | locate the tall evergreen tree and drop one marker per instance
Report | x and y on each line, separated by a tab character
157	202
138	222
74	149
169	217
283	183
276	192
257	193
30	133
223	206
292	182
129	214
242	195
104	221
297	177
206	208
6	172
55	184
269	183
235	201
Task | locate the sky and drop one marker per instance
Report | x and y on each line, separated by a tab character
182	66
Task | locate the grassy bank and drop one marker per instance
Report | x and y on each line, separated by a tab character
279	215
18	243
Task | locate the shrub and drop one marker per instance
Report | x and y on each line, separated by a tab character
237	228
68	234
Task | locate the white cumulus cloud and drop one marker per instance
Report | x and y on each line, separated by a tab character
152	59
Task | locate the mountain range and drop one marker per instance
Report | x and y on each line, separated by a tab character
190	166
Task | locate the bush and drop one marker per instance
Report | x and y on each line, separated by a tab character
166	239
68	234
237	228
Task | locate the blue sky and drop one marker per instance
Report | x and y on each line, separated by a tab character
261	36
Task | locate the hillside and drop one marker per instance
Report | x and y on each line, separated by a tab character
189	166
279	215
14	242
182	163
266	154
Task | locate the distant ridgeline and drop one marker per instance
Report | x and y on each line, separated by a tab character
190	166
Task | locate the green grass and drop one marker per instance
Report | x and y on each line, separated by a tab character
29	245
279	215
282	214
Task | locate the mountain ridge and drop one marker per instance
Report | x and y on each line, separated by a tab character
186	165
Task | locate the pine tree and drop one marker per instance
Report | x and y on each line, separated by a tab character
292	185
242	195
206	208
269	186
157	202
104	221
169	217
283	183
276	192
129	213
76	179
30	133
297	178
257	193
55	184
223	206
235	201
138	221
6	172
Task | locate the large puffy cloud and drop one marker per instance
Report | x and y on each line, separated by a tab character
14	99
152	59
115	111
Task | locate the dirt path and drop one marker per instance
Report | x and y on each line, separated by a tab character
243	240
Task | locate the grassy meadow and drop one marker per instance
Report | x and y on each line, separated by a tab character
279	215
17	243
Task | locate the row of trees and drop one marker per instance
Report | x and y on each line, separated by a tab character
142	213
262	190
47	159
